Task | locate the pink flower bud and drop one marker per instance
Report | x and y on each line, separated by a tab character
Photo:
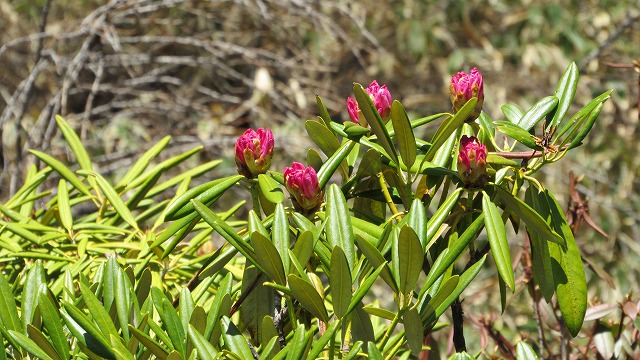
302	184
464	87
254	150
472	161
381	98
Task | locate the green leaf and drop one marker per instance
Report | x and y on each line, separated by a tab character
74	143
319	345
206	351
97	311
124	304
115	200
61	169
308	297
586	126
280	236
377	260
270	189
324	114
531	218
403	133
413	330
524	351
143	162
409	260
568	271
269	258
29	345
64	209
453	251
497	236
565	91
340	282
41	342
86	331
332	163
540	256
512	112
217	305
338	227
234	341
170	320
9	315
375	121
543	107
303	248
517	133
373	352
440	216
429	311
153	346
364	288
35	278
298	344
417	220
325	139
448	127
579	118
52	323
205	193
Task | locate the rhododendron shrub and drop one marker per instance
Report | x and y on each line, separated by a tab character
377	207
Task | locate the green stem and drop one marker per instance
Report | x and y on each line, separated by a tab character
387	196
391	328
255	196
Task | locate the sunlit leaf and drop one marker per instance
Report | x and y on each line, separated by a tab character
565	91
308	297
534	115
497	236
340	282
403	133
338	228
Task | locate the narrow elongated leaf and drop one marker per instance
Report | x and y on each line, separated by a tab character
448	127
280	236
115	200
440	216
332	163
403	133
74	143
375	121
204	193
586	126
340	282
453	251
540	256
568	271
364	288
324	114
64	209
303	248
409	258
517	133
580	116
9	315
429	311
322	136
143	162
308	297
153	346
376	260
413	330
61	169
565	91
35	279
531	218
86	331
172	324
52	323
234	341
417	220
269	258
497	236
298	344
206	351
338	228
29	345
513	113
98	312
543	107
41	342
319	345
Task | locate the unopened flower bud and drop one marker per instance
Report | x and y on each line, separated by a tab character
464	87
472	161
381	98
254	150
302	184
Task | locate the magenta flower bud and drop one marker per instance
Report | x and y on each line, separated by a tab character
472	161
464	87
381	98
254	150
302	184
